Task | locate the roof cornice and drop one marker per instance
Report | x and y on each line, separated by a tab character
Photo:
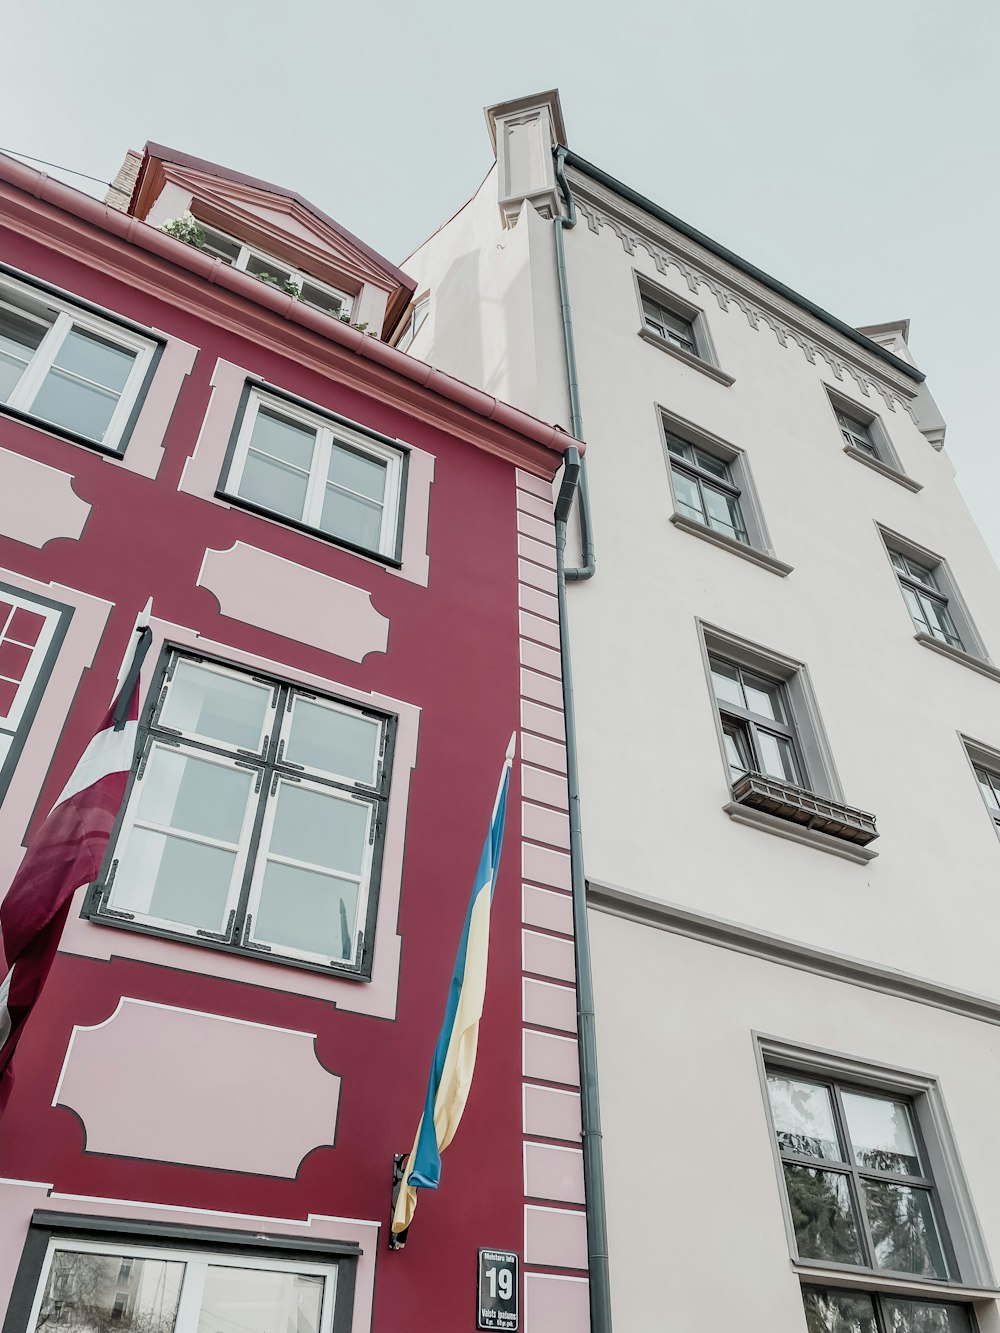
632	206
130	251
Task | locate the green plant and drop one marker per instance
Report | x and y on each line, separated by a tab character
185	228
287	285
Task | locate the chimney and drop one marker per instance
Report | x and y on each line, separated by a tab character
524	133
120	194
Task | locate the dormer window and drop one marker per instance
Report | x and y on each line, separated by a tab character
260	265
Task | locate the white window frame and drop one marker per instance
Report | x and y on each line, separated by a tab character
972	651
986	758
757	548
248	252
197	1262
924	1095
704	357
328	431
15	722
237	933
886	460
68	317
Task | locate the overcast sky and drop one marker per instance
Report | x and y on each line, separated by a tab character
849	148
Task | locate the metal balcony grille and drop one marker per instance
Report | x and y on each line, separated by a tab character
802	807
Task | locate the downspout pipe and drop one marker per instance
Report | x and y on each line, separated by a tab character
574	484
587	565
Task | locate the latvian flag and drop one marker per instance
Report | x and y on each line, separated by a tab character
65	853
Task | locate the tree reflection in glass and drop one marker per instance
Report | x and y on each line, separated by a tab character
838	1312
97	1293
803	1117
904	1230
822	1215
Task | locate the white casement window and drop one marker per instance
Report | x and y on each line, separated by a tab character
255	820
329	477
85	1286
67	367
321	295
29	630
411	328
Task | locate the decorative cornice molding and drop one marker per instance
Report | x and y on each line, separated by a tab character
646	911
634	229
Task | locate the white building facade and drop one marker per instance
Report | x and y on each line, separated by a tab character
788	727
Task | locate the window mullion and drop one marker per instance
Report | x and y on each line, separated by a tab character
41	362
266	773
865	1237
192	1295
318	473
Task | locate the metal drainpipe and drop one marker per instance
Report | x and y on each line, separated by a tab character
574	483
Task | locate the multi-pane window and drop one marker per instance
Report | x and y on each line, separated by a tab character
29	632
928	605
412	326
705	490
319	473
84	1287
989	785
669	326
319	294
757	728
69	368
856	1177
831	1311
255	819
857	433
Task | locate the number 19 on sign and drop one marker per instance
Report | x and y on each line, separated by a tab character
497	1296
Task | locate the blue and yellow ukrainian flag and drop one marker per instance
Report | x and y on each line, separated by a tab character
455	1053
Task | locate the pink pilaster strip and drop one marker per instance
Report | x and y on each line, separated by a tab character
542	689
555	1237
552	1113
535	505
541	824
545	867
537	551
537	576
537	602
527	481
542	721
539	658
547	1006
556	1304
546	788
548	754
540	529
553	1173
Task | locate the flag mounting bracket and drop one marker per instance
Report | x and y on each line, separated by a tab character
397	1239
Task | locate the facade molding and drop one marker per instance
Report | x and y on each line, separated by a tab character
643	910
602	208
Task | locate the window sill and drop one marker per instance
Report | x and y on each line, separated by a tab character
61	432
801	833
706	368
237	502
739	548
883	469
959	655
838	1275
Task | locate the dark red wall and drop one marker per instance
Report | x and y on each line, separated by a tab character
452	651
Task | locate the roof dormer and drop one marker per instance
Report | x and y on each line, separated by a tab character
273	234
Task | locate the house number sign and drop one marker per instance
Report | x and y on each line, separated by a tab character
498	1287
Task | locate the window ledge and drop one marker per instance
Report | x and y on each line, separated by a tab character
789	812
61	432
706	367
959	655
837	1275
750	553
884	469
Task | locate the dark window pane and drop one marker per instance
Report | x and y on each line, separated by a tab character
803	1117
708	463
273	486
903	1316
67	401
357	472
688	496
838	1312
881	1134
724	512
777	757
358	521
904	1229
678	447
738	754
822	1215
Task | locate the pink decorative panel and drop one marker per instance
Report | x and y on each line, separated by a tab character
556	1304
540	529
551	1113
538	751
546	867
538	602
549	1006
553	1173
543	721
545	825
542	631
545	579
178	1085
527	481
555	1237
535	505
537	551
38	503
551	911
537	785
551	1059
263	589
548	956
